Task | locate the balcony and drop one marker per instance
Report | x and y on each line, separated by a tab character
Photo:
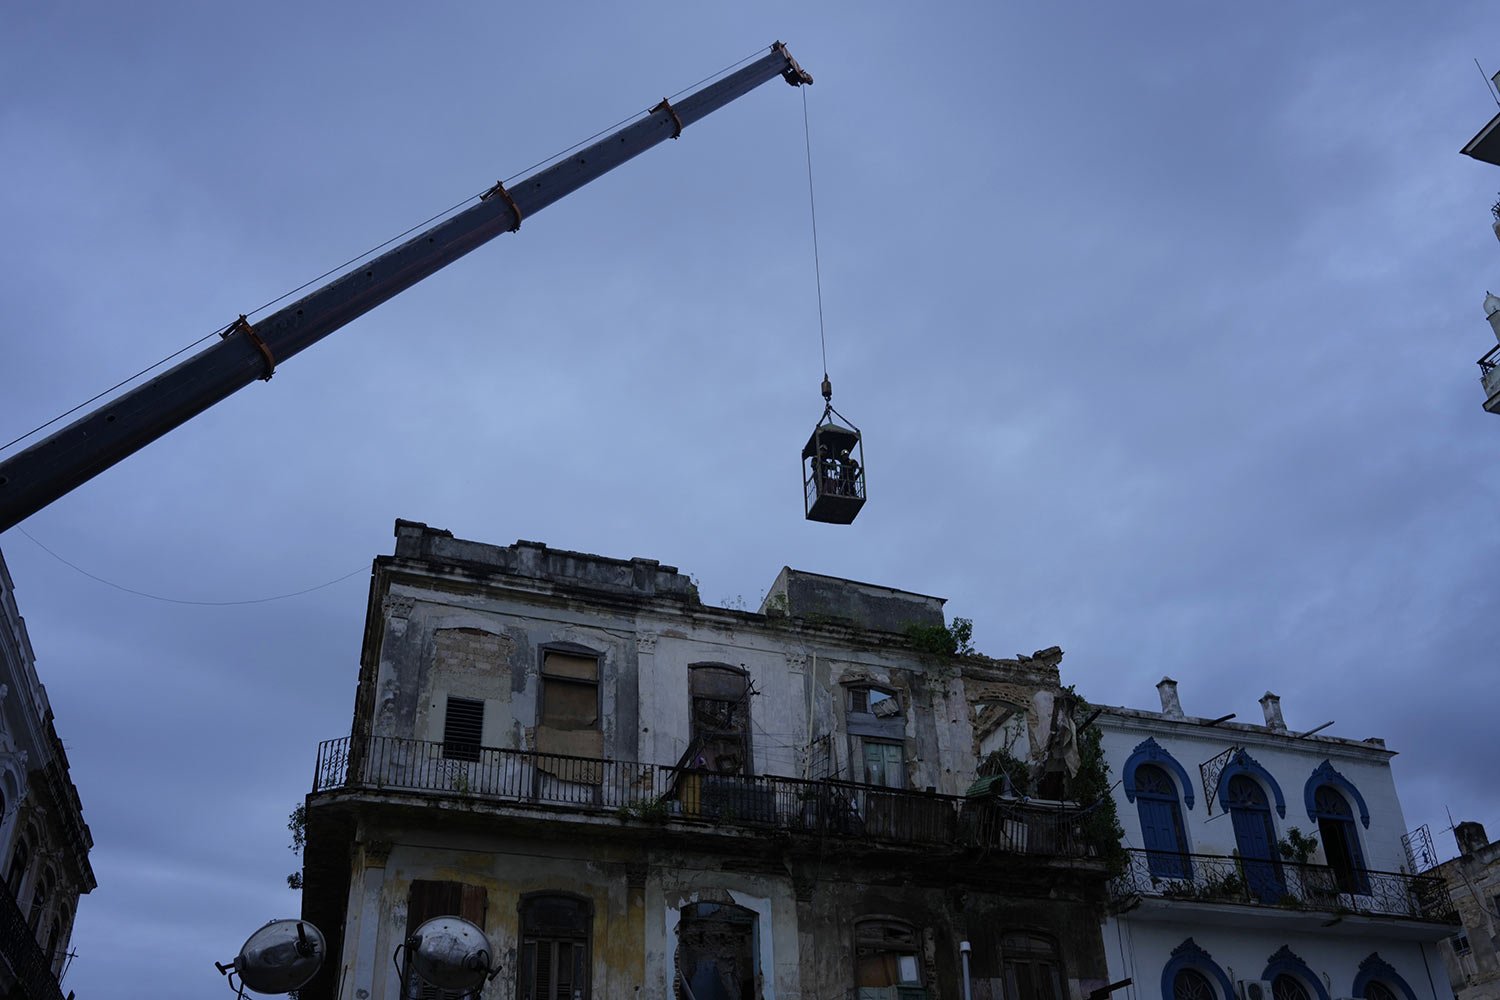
688	800
1489	374
1284	885
22	957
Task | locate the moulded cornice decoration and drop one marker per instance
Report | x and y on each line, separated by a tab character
1243	763
1376	968
1325	774
396	606
1148	751
1189	955
1287	961
645	642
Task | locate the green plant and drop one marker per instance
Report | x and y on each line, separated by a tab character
646	810
1296	846
776	606
297	824
1090	787
1003	761
955	639
460	781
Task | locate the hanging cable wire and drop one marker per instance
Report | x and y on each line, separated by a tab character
813	209
376	249
174	600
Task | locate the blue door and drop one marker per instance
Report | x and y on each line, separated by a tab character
1161	823
1256	839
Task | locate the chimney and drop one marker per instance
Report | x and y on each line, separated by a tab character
1170	706
1470	837
1271	706
1492	301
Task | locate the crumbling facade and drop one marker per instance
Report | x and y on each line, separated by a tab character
1472	955
1264	864
637	795
44	842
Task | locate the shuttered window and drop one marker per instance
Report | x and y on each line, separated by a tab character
554	958
1033	970
430	899
570	691
463	728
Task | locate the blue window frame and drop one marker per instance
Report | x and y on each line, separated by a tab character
1162	832
1189	958
1255	837
1292	972
1375	974
1340	838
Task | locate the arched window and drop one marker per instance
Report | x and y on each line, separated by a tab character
1190	984
716	957
20	860
554	959
1378	980
1162	831
1340	839
39	897
1033	970
1192	974
1291	979
1255	837
886	961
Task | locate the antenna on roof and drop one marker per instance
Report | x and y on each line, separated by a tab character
1489	86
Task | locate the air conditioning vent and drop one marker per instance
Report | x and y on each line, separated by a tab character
1254	989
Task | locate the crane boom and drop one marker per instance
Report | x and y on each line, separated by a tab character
33	478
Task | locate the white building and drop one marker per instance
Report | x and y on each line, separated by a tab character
1218	902
44	842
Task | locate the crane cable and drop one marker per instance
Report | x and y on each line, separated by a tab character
812	206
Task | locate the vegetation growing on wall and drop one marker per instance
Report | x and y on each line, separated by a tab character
1090	788
1297	846
297	824
953	639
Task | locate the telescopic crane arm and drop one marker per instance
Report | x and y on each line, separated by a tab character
33	478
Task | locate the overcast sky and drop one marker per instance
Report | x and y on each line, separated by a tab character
1160	321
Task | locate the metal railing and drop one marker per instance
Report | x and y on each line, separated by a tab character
661	794
25	958
1489	370
1290	885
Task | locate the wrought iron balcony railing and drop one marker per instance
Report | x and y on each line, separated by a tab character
662	794
1219	879
1489	371
20	953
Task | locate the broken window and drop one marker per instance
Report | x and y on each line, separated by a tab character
1032	969
554	959
570	690
463	728
716	953
879	702
886	965
720	719
429	899
20	860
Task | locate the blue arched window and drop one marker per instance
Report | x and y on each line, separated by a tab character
1243	763
1255	837
1291	979
1162	832
1148	751
1340	840
1377	980
1192	974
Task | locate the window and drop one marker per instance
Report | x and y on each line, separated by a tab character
1161	823
720	719
715	953
430	899
886	965
1460	945
20	860
1190	984
463	728
874	701
1376	990
1255	837
1288	987
1340	840
885	764
570	690
1032	968
554	959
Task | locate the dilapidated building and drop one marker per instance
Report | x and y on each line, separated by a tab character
638	795
1472	955
1264	864
44	842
